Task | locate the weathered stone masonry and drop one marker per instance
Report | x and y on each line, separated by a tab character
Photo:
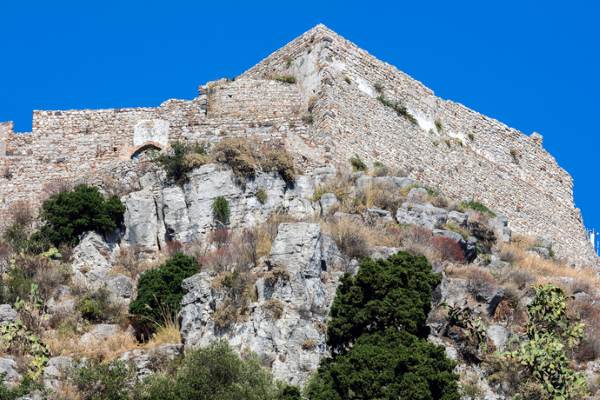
452	148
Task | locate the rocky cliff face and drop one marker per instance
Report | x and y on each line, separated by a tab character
275	303
286	324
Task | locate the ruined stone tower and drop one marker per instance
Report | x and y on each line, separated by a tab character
343	102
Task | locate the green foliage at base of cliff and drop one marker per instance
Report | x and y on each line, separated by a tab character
378	337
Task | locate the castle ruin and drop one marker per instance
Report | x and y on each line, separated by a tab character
343	102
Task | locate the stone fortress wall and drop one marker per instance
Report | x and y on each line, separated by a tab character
462	153
465	155
67	146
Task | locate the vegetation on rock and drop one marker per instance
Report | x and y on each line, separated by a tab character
159	293
181	159
67	215
215	372
543	355
377	335
221	211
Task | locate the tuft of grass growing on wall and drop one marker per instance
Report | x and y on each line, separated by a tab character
289	79
221	211
358	164
398	107
476	206
262	196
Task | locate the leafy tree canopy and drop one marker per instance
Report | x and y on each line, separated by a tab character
69	214
160	293
384	293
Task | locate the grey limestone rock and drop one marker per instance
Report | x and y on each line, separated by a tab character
328	201
7	314
9	368
499	336
91	260
424	215
294	343
417	195
56	370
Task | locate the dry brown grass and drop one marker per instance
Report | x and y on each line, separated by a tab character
21	213
274	307
66	391
342	185
546	271
168	332
68	344
478	275
131	263
354	239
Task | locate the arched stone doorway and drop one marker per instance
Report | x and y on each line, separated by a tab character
145	147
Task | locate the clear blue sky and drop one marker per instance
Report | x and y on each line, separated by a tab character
533	65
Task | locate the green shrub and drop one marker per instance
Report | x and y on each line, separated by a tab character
380	169
159	293
289	79
238	154
399	108
220	210
19	238
96	380
476	206
386	365
357	163
16	236
181	159
97	307
67	215
215	372
384	293
262	196
378	337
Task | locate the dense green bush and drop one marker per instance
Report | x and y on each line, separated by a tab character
386	365
96	380
215	373
181	159
220	210
67	215
384	293
378	337
159	293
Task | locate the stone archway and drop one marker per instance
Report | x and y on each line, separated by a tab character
145	147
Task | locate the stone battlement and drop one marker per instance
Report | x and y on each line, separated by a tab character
333	111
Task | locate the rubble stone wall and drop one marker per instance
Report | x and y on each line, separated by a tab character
79	145
448	146
332	112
